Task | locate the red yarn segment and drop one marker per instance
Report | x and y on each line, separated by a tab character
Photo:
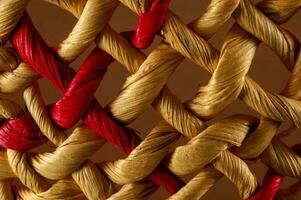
34	51
149	24
21	134
271	185
69	109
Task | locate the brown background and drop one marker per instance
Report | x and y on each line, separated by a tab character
54	24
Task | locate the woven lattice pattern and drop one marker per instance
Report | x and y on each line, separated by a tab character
223	148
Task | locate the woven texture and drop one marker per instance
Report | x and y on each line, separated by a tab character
223	148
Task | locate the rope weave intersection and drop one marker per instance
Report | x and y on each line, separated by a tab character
224	148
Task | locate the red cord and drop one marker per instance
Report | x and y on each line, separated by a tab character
69	109
149	24
21	134
33	50
271	185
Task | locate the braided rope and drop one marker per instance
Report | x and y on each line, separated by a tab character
220	149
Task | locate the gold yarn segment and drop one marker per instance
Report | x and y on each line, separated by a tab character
223	148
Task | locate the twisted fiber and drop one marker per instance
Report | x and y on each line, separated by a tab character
90	118
36	94
153	74
259	131
15	160
199	52
87	170
126	170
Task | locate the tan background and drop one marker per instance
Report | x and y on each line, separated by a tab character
54	24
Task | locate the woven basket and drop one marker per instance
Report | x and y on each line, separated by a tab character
46	148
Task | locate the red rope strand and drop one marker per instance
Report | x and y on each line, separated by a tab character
271	185
149	24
